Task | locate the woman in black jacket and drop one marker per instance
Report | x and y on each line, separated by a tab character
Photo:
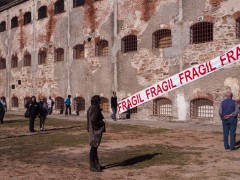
33	109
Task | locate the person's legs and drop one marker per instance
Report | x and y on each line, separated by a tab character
226	128
31	124
3	113
41	121
70	110
66	112
114	111
233	127
93	155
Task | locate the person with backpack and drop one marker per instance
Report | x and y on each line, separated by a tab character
68	105
43	111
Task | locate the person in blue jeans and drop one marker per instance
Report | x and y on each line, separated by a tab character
228	112
68	105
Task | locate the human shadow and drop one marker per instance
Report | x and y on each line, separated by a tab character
132	161
14	121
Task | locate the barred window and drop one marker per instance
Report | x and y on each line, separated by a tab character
78	51
26	100
129	43
59	54
59	6
77	3
27	60
2	63
42	56
201	32
42	12
14	22
162	107
3	26
59	103
27	18
104	104
238	27
201	108
14	101
162	38
14	62
79	103
102	48
133	110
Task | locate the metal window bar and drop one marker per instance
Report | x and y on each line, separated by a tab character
104	104
2	63
42	57
129	43
238	27
14	22
14	61
59	103
59	6
77	3
162	38
201	108
27	60
102	48
201	32
78	51
59	54
27	18
42	12
79	101
133	110
162	107
14	102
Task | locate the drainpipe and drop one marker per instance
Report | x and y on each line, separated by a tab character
8	68
68	50
180	23
34	65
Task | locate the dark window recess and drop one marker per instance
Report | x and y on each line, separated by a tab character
42	55
162	38
78	51
238	27
59	103
201	32
42	12
59	54
13	86
129	43
102	48
14	62
201	108
77	3
14	102
79	103
3	26
27	60
2	63
27	18
19	82
59	6
14	22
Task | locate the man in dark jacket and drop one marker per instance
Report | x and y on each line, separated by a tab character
1	112
33	109
43	111
114	106
228	112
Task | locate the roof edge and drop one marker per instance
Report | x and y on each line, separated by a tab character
11	4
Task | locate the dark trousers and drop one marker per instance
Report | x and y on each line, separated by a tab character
229	126
114	112
2	116
68	107
50	110
93	154
31	123
42	121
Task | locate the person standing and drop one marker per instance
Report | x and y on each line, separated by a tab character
95	127
4	108
68	105
50	104
33	109
114	106
43	111
1	112
228	112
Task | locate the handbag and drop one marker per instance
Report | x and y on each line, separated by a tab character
27	114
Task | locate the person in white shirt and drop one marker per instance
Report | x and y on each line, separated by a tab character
50	104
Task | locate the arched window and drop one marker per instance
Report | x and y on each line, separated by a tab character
162	107
59	6
14	22
26	99
78	51
201	32
59	54
42	12
27	18
14	62
14	101
201	108
27	59
238	27
104	104
162	38
79	103
102	48
42	56
129	43
3	26
77	3
2	63
59	103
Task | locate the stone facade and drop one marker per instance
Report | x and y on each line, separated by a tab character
126	73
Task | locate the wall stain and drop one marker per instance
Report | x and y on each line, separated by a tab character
51	23
148	8
90	15
21	32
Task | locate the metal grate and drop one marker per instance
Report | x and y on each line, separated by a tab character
79	103
42	55
42	12
3	26
27	18
201	32
201	108
59	103
77	3
102	48
14	101
59	6
78	51
26	100
104	104
129	43
2	63
27	60
59	54
14	22
162	38
14	62
133	110
238	27
162	107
